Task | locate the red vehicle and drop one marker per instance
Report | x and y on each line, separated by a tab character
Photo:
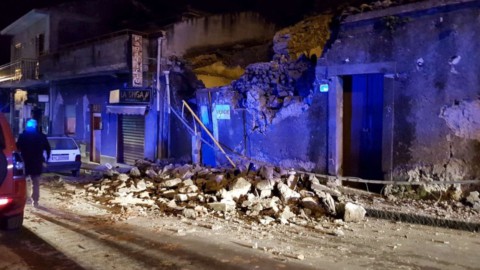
13	187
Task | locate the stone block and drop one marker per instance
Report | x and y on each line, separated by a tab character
123	177
265	185
181	197
222	206
171	183
354	212
473	198
286	193
239	187
135	172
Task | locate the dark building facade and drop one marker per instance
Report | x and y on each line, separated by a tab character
109	89
395	96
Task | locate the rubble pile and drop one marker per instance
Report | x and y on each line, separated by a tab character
269	88
266	195
432	178
272	91
307	37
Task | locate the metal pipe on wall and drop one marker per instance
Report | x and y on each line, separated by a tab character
167	120
159	149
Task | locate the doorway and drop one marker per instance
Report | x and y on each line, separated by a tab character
363	125
95	132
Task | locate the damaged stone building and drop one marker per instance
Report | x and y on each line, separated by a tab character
92	78
393	95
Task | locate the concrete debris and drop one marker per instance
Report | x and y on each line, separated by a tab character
135	172
285	215
222	206
473	199
123	177
171	183
239	187
354	213
286	193
267	194
266	172
312	204
266	184
189	213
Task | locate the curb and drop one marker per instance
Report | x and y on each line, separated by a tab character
423	220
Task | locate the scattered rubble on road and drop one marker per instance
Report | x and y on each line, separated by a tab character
266	195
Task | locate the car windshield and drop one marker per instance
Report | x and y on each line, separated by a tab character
62	144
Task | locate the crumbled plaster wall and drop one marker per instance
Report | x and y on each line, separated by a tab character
463	119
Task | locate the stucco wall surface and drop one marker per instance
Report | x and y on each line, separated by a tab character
437	72
217	30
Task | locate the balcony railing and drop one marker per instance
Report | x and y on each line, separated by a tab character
20	70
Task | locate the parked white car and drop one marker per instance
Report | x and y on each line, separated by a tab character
65	155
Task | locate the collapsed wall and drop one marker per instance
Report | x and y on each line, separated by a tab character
279	97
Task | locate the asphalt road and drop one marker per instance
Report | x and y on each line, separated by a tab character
69	232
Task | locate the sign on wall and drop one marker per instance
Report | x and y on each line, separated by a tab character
137	60
130	96
222	111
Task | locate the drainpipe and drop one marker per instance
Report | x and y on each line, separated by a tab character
159	116
167	91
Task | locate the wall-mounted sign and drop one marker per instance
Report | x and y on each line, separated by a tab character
222	111
137	61
324	87
130	96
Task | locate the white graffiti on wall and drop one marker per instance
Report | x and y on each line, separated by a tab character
137	58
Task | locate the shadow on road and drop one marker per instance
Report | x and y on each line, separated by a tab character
161	250
34	251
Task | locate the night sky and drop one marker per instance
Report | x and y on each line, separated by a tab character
282	12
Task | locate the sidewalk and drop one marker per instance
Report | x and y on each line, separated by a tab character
88	166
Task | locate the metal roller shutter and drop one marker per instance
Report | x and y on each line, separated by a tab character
133	127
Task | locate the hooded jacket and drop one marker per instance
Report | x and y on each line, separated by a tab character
31	144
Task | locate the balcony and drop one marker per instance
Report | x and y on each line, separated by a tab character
21	73
105	55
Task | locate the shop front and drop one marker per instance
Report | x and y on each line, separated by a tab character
134	138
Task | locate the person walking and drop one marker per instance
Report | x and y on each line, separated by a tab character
31	144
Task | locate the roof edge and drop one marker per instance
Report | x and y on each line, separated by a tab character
402	9
29	18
